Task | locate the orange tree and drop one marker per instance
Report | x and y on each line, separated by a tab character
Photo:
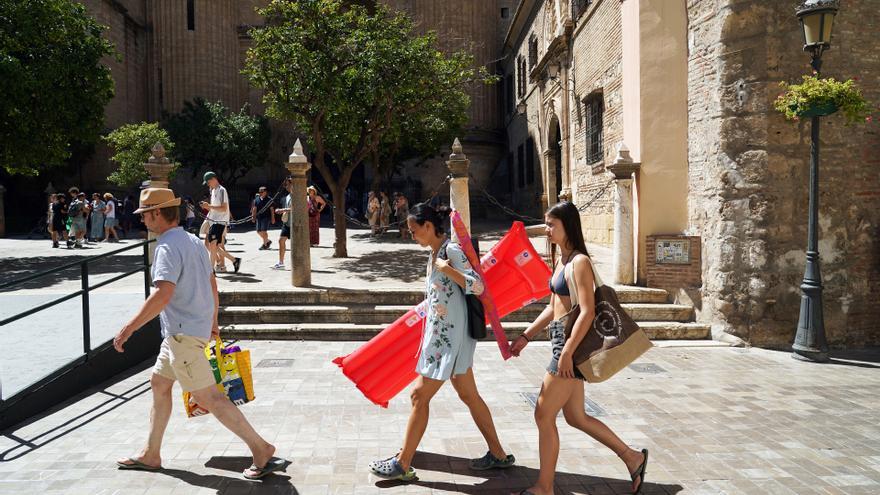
347	76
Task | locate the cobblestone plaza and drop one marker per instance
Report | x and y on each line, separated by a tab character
716	420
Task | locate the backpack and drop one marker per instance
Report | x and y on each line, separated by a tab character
476	316
75	209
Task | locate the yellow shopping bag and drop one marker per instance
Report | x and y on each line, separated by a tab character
232	372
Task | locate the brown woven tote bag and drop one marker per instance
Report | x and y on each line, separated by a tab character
613	341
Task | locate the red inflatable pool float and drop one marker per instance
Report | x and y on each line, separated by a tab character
513	272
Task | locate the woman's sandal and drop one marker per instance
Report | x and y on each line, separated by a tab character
640	473
255	473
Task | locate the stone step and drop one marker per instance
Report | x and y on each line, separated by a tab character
385	314
301	297
363	332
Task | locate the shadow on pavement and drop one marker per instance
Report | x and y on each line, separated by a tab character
16	268
868	357
403	265
115	400
518	478
227	485
246	278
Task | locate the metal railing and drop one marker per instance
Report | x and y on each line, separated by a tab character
84	291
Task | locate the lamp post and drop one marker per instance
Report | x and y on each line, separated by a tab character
817	18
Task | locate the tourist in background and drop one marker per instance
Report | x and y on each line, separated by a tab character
190	213
77	212
262	215
373	211
58	213
316	205
96	231
219	216
285	224
110	221
385	211
401	211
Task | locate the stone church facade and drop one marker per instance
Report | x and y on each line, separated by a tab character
686	85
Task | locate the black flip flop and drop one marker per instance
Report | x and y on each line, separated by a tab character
136	465
274	464
640	473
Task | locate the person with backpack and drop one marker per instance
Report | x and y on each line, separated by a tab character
447	349
77	212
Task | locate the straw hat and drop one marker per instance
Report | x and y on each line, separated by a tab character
154	198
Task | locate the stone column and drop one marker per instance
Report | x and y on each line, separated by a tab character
300	256
2	212
459	195
159	167
623	169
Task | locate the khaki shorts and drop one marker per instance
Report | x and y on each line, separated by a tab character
182	358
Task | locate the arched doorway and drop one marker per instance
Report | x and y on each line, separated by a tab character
553	163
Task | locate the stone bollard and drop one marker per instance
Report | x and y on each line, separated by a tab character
300	251
459	195
623	169
2	212
159	167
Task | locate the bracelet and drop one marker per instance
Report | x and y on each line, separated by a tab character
523	335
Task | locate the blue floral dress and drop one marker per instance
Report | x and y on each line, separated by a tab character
447	348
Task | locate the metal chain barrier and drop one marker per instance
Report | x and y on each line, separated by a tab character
525	218
397	224
248	218
435	192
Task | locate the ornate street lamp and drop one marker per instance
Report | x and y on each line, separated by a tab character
817	19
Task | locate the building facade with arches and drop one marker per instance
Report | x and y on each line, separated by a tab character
721	189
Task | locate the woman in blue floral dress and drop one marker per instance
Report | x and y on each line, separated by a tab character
447	349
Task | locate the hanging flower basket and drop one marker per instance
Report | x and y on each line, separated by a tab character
816	97
815	110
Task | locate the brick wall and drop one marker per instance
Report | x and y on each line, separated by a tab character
749	172
674	276
597	52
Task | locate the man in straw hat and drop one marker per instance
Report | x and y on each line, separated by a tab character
185	289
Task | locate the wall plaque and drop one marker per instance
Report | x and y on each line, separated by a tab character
673	251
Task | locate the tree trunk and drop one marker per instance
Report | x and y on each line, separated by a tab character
340	249
377	172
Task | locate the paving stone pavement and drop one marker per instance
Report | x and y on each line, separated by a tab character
716	420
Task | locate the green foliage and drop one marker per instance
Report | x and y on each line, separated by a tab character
132	144
351	78
814	92
432	111
53	86
209	136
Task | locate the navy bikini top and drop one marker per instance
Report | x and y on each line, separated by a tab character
558	285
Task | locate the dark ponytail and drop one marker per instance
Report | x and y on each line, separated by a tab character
422	213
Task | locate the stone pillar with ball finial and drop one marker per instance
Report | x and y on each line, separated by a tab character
300	253
459	194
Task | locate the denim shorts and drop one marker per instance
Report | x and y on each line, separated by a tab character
557	342
262	224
